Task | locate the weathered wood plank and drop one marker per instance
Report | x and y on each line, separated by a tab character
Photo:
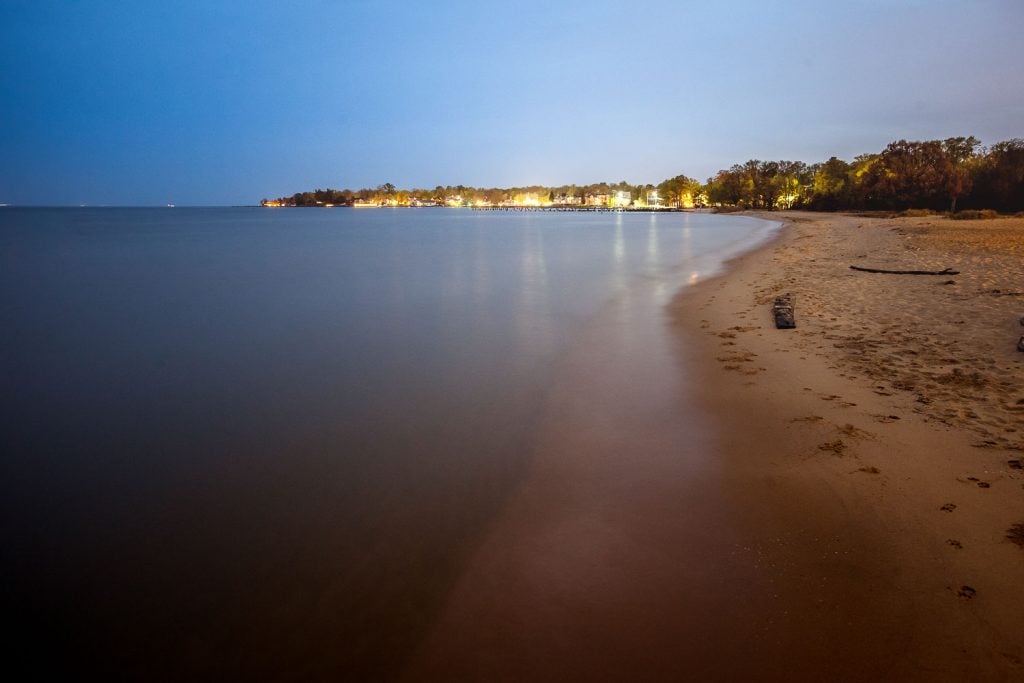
947	271
782	311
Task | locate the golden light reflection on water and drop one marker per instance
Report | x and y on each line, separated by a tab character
534	314
481	272
687	243
618	274
652	240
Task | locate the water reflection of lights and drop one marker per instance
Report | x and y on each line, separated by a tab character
620	241
534	262
652	240
534	315
618	272
481	270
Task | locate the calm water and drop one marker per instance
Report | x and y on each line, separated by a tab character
255	442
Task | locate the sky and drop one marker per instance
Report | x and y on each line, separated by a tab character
108	102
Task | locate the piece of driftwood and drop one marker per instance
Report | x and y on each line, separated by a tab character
782	311
947	271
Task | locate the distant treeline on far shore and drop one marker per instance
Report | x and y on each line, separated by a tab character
941	175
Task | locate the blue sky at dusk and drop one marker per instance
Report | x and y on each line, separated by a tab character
227	102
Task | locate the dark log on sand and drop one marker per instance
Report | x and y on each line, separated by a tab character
782	311
947	271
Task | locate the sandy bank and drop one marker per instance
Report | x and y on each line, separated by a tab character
874	451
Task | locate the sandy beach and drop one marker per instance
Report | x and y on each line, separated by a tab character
877	447
849	515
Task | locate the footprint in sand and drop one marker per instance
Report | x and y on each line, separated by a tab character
735	361
955	543
837	447
855	432
948	507
741	369
966	592
835	397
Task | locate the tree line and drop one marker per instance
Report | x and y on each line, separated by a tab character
941	175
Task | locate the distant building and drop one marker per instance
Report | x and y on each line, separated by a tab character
528	199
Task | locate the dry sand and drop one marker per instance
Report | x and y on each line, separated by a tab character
848	518
881	440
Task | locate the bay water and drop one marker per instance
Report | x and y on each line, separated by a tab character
266	442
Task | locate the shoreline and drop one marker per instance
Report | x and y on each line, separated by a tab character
877	503
612	559
765	513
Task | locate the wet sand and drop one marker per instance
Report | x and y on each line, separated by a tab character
846	516
613	558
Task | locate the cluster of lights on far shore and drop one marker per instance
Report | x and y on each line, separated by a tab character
616	199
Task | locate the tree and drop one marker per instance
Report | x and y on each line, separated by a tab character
999	177
832	187
911	174
679	191
961	154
